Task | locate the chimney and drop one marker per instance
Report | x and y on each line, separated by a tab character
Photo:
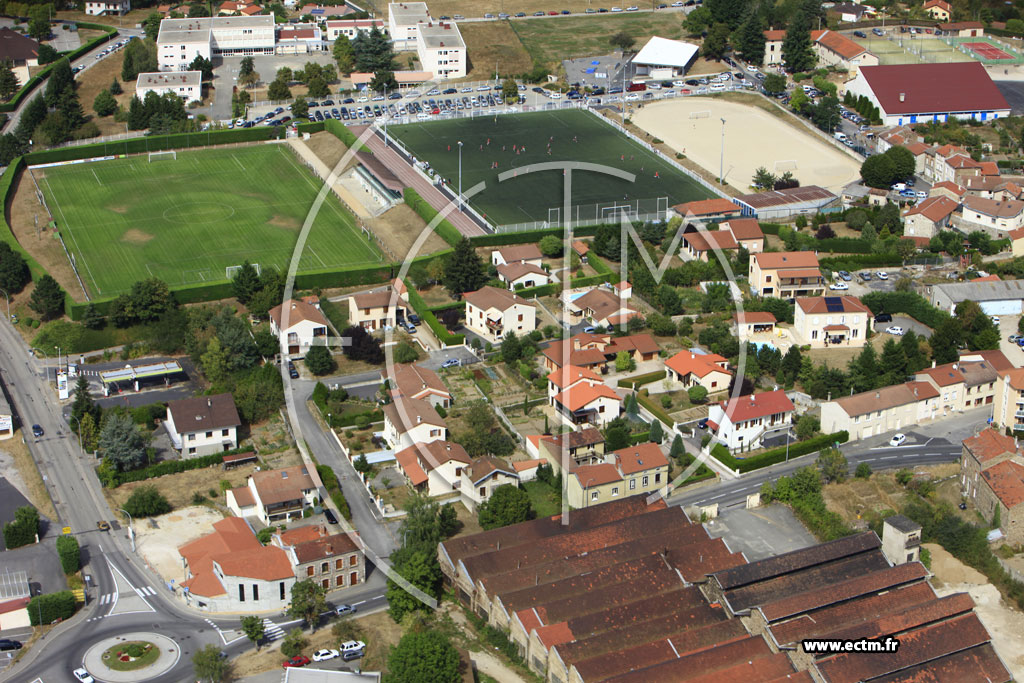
419	418
933	364
903	97
209	402
915	392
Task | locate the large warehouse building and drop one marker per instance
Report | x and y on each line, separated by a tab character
1002	297
916	93
662	58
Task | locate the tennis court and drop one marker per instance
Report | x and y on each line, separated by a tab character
989	51
912	48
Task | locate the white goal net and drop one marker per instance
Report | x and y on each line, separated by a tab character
158	156
231	271
700	114
788	165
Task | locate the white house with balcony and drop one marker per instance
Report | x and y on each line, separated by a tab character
203	425
492	313
409	421
298	325
274	496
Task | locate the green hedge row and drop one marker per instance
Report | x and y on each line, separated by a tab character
114	479
427	316
770	228
156	143
776	455
598	264
6	185
640	380
540	290
350	419
639	437
855	261
499	239
40	77
51	607
311	126
342	132
449	305
444	229
655	410
909	303
330	480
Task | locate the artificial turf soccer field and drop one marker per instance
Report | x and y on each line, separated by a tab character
185	220
529	196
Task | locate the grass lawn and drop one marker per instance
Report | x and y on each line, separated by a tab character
575	136
549	42
111	660
184	220
544	500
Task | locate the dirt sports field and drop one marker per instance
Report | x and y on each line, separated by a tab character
753	138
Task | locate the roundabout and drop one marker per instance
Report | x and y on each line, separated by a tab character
131	657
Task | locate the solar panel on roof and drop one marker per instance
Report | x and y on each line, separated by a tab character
833	304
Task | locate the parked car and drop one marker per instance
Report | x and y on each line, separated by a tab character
344	609
331	519
844	275
296	661
895	330
882	275
897	440
37	431
883	318
350	645
1013	338
702	423
839	286
995	320
8	644
865	276
451	363
292	372
860	34
324	655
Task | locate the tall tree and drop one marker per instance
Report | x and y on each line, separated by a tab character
463	270
751	40
419	568
204	65
61	79
717	42
507	505
279	91
309	601
8	81
864	371
245	283
121	443
253	629
14	272
83	404
893	363
344	55
797	51
47	298
151	25
104	104
425	656
209	666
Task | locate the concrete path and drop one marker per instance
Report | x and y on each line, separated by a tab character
410	177
169	655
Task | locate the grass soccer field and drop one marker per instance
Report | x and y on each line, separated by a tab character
574	136
185	220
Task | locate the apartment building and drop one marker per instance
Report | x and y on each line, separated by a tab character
630	471
441	49
887	409
404	19
181	40
185	84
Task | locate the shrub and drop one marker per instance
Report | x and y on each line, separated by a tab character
68	551
23	530
48	608
863	471
146	501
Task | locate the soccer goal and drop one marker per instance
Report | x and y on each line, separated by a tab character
700	114
159	156
786	165
230	271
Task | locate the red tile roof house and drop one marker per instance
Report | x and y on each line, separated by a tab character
1001	488
747	233
750	323
929	216
480	479
587	403
582	447
708	370
985	449
334	561
275	495
707	209
631	471
704	245
916	93
741	423
835	49
434	467
376	310
416	381
520	253
203	425
229	570
298	326
598	351
601	306
521	274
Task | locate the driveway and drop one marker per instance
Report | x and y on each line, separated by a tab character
761	532
907	323
438	357
1008	326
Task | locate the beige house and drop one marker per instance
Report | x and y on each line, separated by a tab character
969	383
882	410
1002	216
492	313
203	425
298	325
335	561
786	275
274	495
751	323
587	403
940	10
708	370
929	216
601	305
415	381
409	421
703	245
747	233
630	471
377	310
582	447
830	321
835	49
949	382
435	467
482	477
773	46
1017	241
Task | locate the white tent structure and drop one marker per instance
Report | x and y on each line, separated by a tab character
664	58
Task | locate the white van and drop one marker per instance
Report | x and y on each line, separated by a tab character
899	187
839	135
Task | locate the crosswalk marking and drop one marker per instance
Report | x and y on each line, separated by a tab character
272	631
147	590
105	599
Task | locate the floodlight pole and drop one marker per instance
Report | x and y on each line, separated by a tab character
461	206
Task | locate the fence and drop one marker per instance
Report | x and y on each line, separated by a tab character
103	139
